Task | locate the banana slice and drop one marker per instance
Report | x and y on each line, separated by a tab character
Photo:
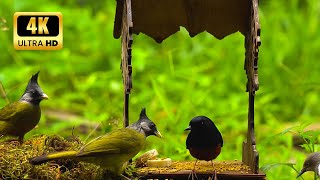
164	162
142	160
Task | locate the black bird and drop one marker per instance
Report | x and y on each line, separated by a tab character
19	117
204	140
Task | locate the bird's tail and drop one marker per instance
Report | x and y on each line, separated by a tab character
58	155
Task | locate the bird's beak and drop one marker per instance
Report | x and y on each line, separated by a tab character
303	170
44	96
188	128
158	134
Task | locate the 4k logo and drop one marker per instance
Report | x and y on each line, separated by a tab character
38	31
42	22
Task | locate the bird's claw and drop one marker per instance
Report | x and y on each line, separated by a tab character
214	175
124	177
192	175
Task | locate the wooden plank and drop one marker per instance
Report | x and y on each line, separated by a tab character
160	19
204	169
185	176
250	154
126	53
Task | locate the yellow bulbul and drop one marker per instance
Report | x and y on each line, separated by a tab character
111	150
19	117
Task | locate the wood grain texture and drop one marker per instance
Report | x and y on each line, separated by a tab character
160	19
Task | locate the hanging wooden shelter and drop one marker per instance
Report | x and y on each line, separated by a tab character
161	18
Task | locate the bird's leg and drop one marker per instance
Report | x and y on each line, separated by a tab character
193	173
124	177
1	136
20	139
214	176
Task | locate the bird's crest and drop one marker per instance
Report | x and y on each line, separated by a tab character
143	113
34	78
33	92
33	83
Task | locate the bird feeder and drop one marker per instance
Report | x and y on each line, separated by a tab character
159	19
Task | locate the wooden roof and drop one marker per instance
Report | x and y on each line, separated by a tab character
161	18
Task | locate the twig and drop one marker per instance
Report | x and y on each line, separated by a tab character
3	93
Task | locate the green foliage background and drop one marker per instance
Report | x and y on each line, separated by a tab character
176	80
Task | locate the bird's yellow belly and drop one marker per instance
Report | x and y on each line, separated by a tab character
118	160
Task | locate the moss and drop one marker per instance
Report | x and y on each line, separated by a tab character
14	162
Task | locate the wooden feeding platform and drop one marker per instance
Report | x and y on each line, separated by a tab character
159	19
181	170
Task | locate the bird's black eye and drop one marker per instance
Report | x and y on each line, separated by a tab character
307	164
202	123
152	126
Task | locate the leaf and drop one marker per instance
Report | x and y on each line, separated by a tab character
306	147
267	167
311	136
288	130
303	126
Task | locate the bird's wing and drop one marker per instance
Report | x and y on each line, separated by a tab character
119	141
9	111
15	110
